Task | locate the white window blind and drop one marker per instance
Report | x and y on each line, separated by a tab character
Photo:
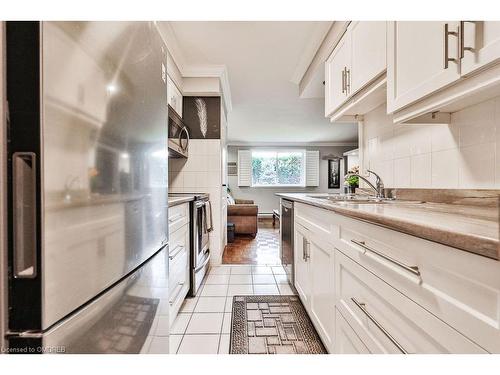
244	168
312	168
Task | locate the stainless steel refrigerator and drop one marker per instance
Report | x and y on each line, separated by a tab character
87	187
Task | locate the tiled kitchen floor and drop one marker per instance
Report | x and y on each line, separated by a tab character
204	322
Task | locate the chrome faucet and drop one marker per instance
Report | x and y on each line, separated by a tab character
378	188
68	186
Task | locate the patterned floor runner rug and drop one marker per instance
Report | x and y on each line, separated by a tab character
272	325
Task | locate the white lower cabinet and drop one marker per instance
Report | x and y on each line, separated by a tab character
386	320
314	281
369	289
178	257
346	340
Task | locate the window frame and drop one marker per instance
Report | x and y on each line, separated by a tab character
278	151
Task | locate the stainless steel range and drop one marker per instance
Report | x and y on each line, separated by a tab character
200	228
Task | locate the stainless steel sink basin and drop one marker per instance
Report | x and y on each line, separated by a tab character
360	199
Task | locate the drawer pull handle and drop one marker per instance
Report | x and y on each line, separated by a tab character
179	288
362	307
177	250
175	218
413	269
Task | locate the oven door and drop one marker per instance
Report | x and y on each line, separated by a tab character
200	249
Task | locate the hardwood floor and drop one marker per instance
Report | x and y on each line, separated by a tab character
263	249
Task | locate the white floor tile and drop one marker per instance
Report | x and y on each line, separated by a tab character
220	270
262	270
163	326
199	344
241	270
214	291
278	270
210	304
224	344
174	343
229	304
226	324
180	324
205	323
240	290
266	289
285	289
263	279
188	305
160	345
217	279
281	279
240	279
145	346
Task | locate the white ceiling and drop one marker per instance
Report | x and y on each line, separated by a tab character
262	60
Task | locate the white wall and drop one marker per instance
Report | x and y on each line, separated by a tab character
465	154
202	172
265	197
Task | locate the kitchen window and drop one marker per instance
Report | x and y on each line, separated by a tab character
278	168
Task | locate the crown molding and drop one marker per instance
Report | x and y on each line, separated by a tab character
308	54
191	70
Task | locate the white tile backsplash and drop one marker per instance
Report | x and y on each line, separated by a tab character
464	154
201	172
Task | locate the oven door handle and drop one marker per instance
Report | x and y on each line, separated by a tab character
207	258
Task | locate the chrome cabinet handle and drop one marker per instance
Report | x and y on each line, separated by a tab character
305	251
343	81
447	34
362	307
347	81
304	245
177	250
175	218
461	30
413	269
179	288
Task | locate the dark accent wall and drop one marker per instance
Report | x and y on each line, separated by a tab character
191	117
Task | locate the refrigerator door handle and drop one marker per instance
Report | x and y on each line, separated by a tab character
24	214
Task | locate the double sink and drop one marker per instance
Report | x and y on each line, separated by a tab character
359	199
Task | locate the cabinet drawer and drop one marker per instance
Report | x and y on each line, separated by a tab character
179	253
460	288
387	321
177	216
346	340
318	221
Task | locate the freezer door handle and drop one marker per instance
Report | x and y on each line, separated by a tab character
24	215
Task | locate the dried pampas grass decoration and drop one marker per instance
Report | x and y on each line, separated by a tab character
201	108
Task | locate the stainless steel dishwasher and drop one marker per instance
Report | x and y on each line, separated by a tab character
286	243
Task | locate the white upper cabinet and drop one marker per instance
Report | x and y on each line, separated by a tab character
337	68
174	96
357	60
480	44
422	57
368	45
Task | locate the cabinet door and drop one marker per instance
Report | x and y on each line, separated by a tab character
322	298
336	67
302	283
346	340
418	63
174	96
368	56
480	45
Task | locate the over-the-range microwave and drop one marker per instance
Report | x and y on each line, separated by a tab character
178	135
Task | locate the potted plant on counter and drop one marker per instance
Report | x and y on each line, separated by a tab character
352	181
